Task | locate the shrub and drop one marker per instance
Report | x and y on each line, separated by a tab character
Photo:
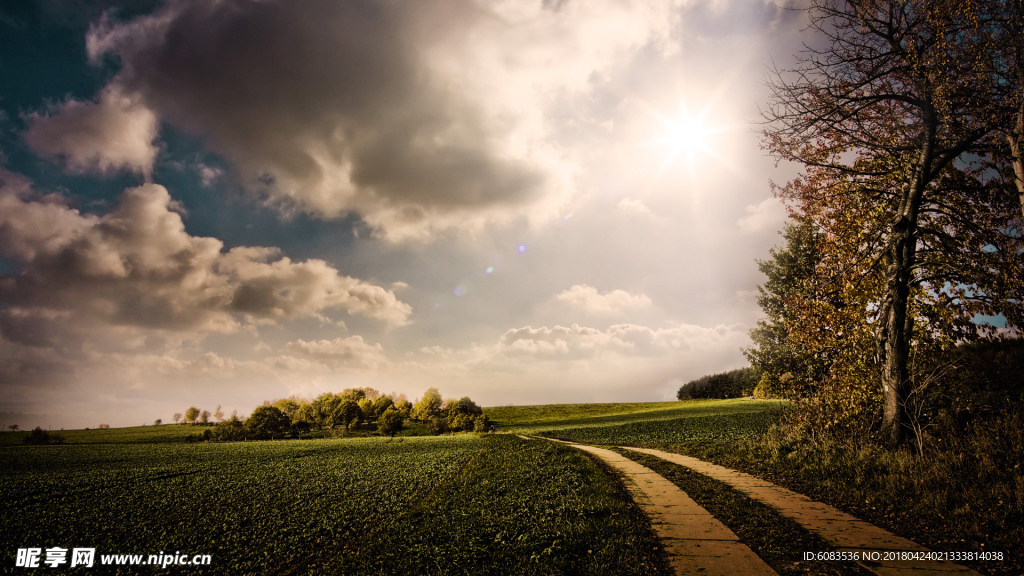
38	436
229	430
482	423
438	426
389	422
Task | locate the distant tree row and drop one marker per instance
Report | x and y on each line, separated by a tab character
350	410
732	384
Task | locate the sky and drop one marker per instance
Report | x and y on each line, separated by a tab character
225	202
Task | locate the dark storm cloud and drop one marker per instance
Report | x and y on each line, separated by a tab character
326	106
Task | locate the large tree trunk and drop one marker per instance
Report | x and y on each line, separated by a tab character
1015	138
895	326
894	332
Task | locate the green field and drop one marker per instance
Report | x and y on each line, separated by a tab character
566	417
728	426
487	505
462	504
257	507
132	435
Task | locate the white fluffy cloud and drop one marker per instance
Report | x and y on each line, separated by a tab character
621	339
614	302
137	266
767	215
417	116
114	133
350	351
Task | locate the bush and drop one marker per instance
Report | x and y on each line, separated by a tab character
38	436
231	429
390	422
482	423
438	426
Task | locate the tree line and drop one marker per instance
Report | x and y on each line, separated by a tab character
352	410
730	384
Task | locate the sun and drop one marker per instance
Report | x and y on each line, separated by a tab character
686	135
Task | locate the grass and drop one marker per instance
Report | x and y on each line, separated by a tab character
535	419
966	496
518	508
173	433
540	413
255	507
130	435
463	504
693	427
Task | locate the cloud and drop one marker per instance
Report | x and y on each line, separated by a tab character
624	362
350	351
635	206
580	342
614	302
114	133
767	215
136	266
419	117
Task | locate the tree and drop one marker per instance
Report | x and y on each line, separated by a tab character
204	417
321	410
289	406
348	414
177	417
367	408
191	415
428	407
266	422
218	414
389	422
404	407
382	403
13	427
784	298
461	413
1007	68
158	422
885	120
232	429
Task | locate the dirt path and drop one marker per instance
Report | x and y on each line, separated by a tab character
845	532
696	542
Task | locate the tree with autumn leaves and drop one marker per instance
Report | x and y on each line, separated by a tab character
907	119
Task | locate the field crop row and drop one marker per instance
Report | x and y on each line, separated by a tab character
531	421
519	508
729	426
257	508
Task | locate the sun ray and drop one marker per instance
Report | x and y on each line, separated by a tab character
688	135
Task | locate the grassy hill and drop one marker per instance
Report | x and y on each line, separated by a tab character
556	417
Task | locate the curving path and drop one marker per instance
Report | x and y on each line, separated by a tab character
845	532
695	541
